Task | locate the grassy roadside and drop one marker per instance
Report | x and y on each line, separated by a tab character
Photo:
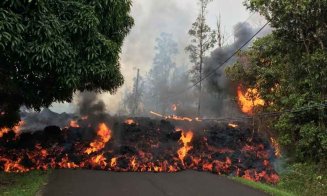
297	179
26	184
272	190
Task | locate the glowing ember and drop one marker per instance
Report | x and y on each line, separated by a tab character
73	123
129	121
174	107
249	100
113	162
232	125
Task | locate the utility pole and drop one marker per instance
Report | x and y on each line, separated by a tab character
136	93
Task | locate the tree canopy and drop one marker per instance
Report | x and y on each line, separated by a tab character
50	49
289	69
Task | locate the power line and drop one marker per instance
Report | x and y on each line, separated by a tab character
228	59
302	109
236	30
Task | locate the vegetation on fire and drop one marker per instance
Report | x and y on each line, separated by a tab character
288	67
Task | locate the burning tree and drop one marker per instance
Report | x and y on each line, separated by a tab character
289	69
51	49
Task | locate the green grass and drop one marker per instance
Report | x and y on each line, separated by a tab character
26	184
297	179
270	189
305	179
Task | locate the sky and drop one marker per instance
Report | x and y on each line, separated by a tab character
153	17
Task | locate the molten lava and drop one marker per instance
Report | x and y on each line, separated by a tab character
249	100
16	129
145	146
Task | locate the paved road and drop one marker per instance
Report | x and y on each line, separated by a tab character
99	183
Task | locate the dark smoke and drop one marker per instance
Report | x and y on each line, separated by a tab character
218	99
92	107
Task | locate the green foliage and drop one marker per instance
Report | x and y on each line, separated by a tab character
270	189
289	68
304	179
298	179
50	49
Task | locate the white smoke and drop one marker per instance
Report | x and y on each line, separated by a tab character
153	17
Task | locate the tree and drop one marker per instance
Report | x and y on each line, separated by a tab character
51	49
220	35
160	73
202	40
289	68
133	100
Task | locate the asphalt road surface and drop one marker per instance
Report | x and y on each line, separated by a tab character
101	183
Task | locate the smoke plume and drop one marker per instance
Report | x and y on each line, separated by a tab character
218	99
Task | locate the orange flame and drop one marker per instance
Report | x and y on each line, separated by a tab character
185	139
249	100
104	134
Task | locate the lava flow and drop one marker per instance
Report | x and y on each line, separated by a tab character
141	145
16	129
